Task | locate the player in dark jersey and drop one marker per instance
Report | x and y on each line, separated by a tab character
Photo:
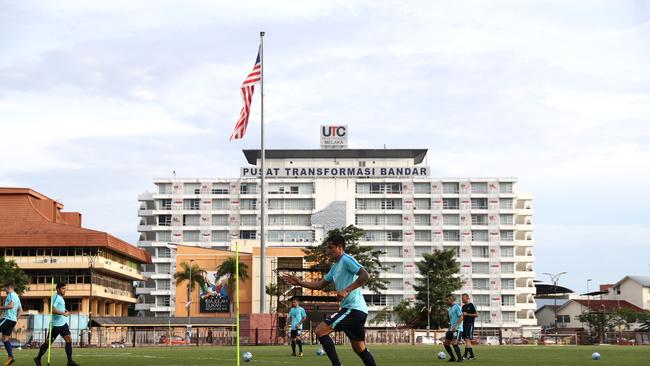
469	315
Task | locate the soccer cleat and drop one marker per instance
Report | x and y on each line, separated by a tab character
451	360
471	358
293	354
72	363
37	361
300	354
9	361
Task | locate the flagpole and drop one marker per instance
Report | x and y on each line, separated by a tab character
237	296
263	157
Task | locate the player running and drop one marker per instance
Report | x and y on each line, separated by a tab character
297	316
348	276
455	333
12	309
469	315
59	326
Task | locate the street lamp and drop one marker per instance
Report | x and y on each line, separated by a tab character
428	305
555	278
92	257
589	305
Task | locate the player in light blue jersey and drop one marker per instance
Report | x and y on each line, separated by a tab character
455	333
297	316
59	326
348	276
12	309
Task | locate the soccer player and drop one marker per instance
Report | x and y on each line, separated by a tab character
454	334
348	276
469	315
12	309
59	326
297	315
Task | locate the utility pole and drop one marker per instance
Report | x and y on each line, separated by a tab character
555	278
92	257
428	304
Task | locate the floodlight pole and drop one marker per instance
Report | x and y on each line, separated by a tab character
189	304
588	307
92	257
428	305
555	278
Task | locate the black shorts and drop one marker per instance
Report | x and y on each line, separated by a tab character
457	335
296	333
7	326
468	332
62	331
352	322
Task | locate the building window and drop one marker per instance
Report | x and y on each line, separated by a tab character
480	284
162	285
422	204
190	236
508	316
450	203
479	220
450	187
422	235
164	188
479	235
249	188
219	220
394	235
479	204
163	268
450	235
506	219
422	188
293	236
505	187
507	251
481	252
505	203
481	300
248	204
479	187
247	234
451	220
220	188
220	236
507	284
164	253
480	268
507	268
375	300
162	301
164	220
191	204
165	204
507	235
422	220
564	318
507	300
163	236
191	220
248	220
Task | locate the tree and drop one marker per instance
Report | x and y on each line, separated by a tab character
440	269
402	314
385	315
271	290
366	256
228	268
196	278
10	273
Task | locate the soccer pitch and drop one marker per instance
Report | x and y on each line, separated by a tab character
385	356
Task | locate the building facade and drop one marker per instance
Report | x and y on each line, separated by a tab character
48	243
387	192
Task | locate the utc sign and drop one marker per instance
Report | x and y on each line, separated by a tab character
333	137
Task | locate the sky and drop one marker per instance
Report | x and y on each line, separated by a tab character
98	98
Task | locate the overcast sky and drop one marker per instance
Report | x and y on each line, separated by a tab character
98	98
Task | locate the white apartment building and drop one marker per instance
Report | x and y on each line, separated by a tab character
387	192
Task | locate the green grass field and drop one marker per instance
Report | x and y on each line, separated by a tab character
385	356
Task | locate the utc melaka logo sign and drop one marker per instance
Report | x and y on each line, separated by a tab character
334	137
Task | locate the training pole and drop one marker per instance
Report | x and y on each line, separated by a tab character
237	296
49	334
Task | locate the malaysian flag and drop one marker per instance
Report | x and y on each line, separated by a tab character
247	89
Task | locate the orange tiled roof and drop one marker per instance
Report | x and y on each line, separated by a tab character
30	219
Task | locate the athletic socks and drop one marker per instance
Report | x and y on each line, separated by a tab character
293	346
457	349
468	351
68	351
471	352
367	358
451	353
299	345
42	350
328	347
9	348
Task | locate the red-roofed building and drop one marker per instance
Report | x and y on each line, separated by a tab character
567	313
47	243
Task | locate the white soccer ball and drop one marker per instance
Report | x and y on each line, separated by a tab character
320	352
247	356
441	355
595	356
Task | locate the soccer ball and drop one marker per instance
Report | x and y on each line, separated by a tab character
247	356
441	355
595	356
320	352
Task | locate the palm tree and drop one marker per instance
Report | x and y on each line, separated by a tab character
184	275
227	268
271	290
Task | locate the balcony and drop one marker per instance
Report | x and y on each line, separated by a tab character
102	264
139	307
81	290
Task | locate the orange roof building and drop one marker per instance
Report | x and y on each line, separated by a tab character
47	243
